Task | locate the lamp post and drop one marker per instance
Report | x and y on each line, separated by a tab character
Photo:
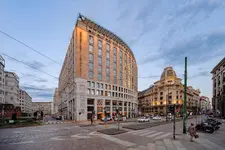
167	99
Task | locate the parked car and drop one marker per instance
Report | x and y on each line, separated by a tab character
144	119
156	118
107	118
120	119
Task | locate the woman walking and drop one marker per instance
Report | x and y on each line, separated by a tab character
192	131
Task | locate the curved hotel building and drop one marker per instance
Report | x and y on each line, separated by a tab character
99	74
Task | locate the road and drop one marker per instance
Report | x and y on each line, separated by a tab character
72	136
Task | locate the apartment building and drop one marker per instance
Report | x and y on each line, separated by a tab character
45	107
205	104
218	90
25	102
99	74
165	92
2	80
56	101
12	88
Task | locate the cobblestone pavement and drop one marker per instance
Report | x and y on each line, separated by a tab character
72	136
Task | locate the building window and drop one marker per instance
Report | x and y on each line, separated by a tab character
108	78
91	39
102	85
107	71
121	54
100	44
114	65
100	69
91	65
121	61
93	92
121	75
89	91
114	73
107	47
93	84
100	77
91	57
114	58
107	55
114	80
99	60
114	51
161	98
107	63
91	74
91	48
11	98
100	52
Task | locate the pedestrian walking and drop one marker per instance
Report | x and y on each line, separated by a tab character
91	119
192	132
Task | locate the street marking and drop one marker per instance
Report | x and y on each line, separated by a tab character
162	136
80	136
155	134
118	141
25	142
150	132
141	131
57	138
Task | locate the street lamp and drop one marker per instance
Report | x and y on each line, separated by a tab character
167	99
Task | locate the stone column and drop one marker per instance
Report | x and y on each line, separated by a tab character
95	107
111	109
127	109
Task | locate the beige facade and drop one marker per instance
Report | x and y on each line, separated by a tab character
204	104
45	107
99	72
218	98
56	101
25	102
167	91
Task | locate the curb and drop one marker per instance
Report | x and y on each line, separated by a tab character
56	122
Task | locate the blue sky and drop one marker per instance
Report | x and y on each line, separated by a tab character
160	33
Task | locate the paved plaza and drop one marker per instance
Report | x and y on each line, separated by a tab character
73	136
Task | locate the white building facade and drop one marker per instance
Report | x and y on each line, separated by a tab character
25	102
2	80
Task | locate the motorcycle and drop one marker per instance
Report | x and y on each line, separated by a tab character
214	123
206	127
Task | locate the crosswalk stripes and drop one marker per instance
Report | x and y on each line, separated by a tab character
155	134
162	136
141	131
150	132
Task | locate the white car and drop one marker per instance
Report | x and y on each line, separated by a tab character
156	118
143	119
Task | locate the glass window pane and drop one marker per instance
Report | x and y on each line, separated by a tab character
114	72
107	55
91	40
99	60
121	54
121	75
91	66
91	74
108	78
99	69
99	44
91	57
107	63
121	60
91	48
107	47
99	52
114	58
114	65
100	77
114	51
107	71
114	80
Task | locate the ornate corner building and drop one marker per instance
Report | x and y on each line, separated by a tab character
167	91
99	74
218	96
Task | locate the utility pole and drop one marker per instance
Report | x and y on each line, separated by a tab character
185	97
174	120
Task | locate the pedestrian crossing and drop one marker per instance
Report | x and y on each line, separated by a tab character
150	134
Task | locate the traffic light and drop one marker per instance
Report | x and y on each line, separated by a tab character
171	108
